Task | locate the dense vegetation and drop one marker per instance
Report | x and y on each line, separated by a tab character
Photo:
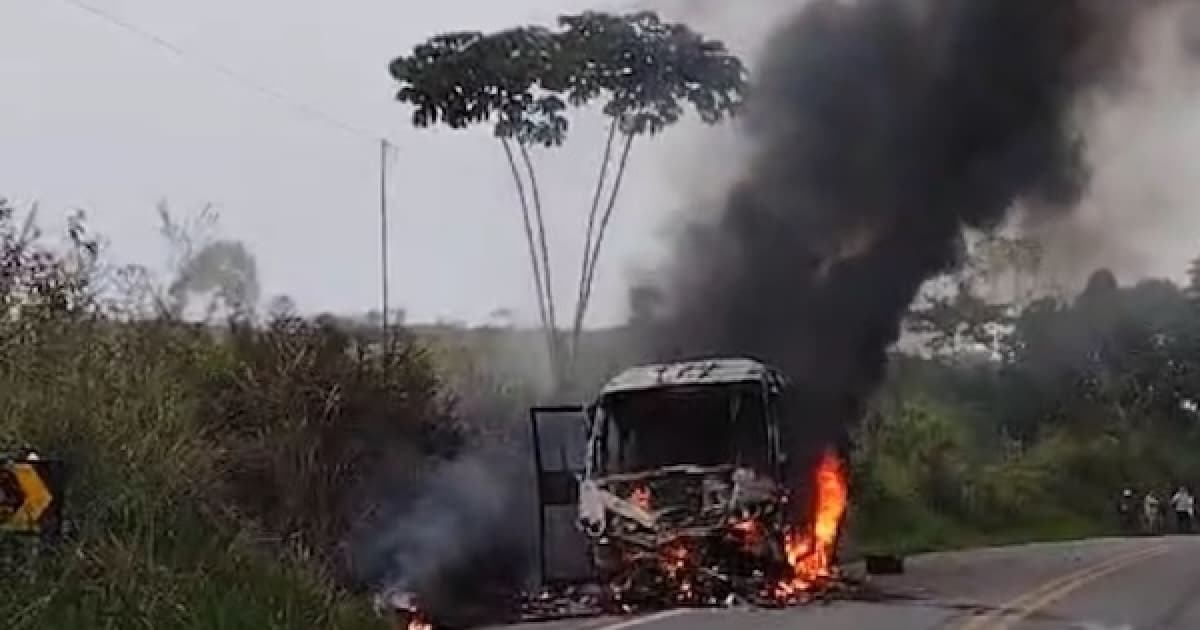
1034	433
214	472
1002	420
218	472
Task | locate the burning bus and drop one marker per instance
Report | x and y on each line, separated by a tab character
681	495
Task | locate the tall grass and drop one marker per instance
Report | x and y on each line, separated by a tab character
212	473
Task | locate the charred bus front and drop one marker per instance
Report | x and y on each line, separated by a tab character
682	491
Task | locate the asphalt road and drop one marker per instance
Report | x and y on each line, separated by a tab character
1104	584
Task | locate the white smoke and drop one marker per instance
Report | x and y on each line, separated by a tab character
1139	217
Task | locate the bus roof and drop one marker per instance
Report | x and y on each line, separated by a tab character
699	372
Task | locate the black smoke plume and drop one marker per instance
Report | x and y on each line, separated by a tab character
882	129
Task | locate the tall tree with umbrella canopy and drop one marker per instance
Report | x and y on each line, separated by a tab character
645	73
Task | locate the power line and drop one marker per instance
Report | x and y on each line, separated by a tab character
224	71
387	147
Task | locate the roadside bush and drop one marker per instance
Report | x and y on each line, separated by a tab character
213	470
935	470
911	474
305	415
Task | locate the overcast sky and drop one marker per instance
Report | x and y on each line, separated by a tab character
97	118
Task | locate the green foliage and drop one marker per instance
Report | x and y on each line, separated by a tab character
184	576
646	70
961	315
306	414
202	264
646	74
1085	397
212	471
930	477
1121	354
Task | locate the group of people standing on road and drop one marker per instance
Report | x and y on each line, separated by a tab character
1148	514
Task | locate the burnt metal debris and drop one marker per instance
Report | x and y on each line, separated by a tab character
696	535
672	492
683	473
595	600
680	496
683	488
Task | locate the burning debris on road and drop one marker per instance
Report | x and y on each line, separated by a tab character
812	550
402	610
707	521
710	519
746	560
747	555
881	131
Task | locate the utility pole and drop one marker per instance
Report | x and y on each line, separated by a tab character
384	147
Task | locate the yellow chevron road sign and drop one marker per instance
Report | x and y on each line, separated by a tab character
29	498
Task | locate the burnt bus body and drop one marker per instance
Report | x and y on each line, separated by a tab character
683	489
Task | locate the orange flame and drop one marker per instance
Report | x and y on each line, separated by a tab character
415	622
641	497
675	559
811	553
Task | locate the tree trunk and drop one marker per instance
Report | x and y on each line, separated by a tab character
532	243
547	280
594	257
593	213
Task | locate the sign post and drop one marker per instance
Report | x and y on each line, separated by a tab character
30	496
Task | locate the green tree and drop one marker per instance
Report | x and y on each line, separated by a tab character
643	71
203	265
960	307
955	316
1124	356
1015	258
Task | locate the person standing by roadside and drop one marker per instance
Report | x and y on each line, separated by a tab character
1151	511
1127	512
1184	505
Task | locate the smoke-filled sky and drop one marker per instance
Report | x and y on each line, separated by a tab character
94	117
880	131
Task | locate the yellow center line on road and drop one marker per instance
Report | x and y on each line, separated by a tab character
1053	590
1053	596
